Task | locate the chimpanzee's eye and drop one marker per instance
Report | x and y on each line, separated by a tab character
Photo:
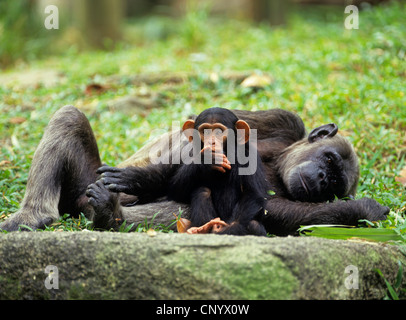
329	158
218	133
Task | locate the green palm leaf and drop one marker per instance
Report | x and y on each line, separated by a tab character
341	232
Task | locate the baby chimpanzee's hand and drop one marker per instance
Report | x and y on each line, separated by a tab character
219	159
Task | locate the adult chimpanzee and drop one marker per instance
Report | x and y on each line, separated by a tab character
303	172
215	187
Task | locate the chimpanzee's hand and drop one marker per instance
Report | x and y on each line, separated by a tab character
105	204
219	159
101	199
118	179
370	209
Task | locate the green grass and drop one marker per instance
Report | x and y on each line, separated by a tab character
323	72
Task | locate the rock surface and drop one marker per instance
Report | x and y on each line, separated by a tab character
105	265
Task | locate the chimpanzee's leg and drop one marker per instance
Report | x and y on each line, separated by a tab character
64	164
202	207
247	211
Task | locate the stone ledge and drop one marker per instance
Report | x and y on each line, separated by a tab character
104	265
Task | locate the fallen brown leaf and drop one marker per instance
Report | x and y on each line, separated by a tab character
183	224
402	177
256	81
4	163
95	88
17	120
151	232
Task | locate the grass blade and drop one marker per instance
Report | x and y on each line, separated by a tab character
399	275
392	291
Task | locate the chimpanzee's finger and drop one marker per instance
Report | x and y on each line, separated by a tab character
226	165
117	188
110	180
111	174
91	193
225	159
218	168
107	169
206	149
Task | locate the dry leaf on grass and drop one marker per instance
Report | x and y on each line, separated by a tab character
183	224
95	88
256	81
17	120
4	163
402	177
151	232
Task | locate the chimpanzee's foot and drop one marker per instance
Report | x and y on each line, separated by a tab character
213	226
27	220
106	206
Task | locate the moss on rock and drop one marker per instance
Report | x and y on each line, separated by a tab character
103	265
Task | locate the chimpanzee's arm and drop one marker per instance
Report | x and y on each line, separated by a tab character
284	217
187	179
140	181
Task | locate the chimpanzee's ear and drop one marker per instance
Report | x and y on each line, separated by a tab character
323	132
188	128
242	125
